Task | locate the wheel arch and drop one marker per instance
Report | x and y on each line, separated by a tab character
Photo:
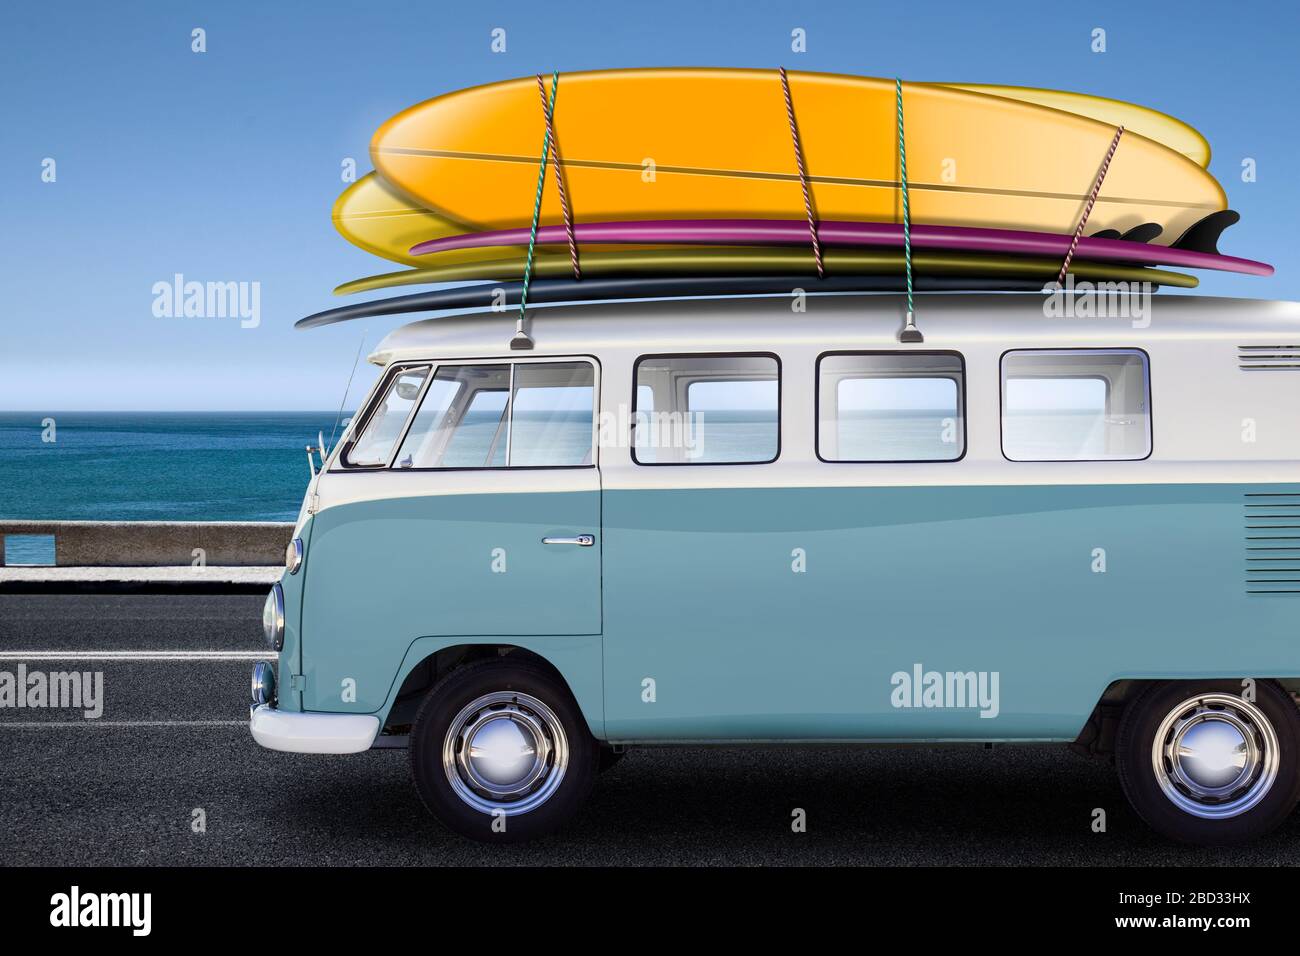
576	662
1097	738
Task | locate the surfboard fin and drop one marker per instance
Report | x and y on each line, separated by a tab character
1106	234
1203	236
1146	232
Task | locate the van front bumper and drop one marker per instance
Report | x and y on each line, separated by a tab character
305	733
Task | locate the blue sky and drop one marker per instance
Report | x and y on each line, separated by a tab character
223	166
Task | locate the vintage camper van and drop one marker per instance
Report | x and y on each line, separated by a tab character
738	521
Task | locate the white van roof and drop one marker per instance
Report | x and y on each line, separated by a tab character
836	322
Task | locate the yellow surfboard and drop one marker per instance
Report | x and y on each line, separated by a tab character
372	215
1142	120
715	143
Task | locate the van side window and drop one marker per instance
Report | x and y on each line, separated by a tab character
479	441
503	415
551	417
1076	405
706	409
891	406
461	422
375	443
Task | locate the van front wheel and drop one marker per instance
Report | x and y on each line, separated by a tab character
500	752
1202	762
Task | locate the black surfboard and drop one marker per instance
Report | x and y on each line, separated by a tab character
488	295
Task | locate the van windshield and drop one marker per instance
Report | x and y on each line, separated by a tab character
375	444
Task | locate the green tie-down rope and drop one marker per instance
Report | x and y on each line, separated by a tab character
537	205
910	332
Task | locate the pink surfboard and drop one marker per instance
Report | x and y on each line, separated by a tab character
749	232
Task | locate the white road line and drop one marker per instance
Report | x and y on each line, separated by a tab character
138	655
45	724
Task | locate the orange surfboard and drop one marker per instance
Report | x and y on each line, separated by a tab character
716	143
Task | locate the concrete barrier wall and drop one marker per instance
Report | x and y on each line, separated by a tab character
139	544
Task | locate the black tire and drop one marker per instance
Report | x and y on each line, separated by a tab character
441	707
1138	776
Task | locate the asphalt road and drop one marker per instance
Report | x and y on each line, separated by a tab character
172	739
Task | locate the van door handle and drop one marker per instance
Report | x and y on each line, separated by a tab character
581	540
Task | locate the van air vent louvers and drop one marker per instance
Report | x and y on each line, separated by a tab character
1255	358
1272	542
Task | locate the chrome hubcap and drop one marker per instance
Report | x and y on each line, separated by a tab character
505	752
1215	756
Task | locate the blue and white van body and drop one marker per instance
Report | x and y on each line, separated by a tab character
963	590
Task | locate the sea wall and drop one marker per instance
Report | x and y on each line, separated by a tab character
132	544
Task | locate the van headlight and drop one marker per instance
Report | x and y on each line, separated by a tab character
293	556
273	618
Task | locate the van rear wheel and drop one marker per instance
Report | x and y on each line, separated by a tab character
500	752
1202	764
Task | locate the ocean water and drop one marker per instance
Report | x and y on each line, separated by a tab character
157	466
897	435
707	436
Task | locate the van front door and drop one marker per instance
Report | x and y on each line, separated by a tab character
466	505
